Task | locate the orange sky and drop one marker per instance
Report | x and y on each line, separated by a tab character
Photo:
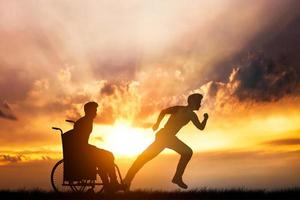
136	58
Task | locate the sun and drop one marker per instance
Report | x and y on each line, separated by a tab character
124	140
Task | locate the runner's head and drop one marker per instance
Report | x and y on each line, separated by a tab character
90	109
194	101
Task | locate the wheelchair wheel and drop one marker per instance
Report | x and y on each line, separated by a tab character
57	178
61	186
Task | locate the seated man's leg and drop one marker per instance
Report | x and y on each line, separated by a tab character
104	176
104	160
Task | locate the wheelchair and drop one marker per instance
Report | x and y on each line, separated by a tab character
71	174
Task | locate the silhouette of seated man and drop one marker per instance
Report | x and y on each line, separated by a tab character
166	138
102	159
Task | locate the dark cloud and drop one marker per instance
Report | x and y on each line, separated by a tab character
14	82
280	142
29	152
11	159
267	68
108	93
6	112
108	89
262	79
117	100
119	89
258	79
281	42
46	158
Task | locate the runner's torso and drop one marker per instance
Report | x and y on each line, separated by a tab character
177	120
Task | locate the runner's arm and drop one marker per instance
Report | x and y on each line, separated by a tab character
170	110
197	123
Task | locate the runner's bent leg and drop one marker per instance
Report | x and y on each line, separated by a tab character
185	155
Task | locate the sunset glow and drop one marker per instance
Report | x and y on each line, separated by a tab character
136	58
124	140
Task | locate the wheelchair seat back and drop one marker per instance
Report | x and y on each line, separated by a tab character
76	166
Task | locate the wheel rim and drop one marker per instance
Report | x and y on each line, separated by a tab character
57	178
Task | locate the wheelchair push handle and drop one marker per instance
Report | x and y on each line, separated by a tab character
70	121
58	129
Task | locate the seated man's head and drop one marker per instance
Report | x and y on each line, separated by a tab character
194	101
90	109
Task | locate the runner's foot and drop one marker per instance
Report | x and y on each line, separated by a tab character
179	182
113	188
126	185
90	191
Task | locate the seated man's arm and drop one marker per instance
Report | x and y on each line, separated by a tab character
197	123
170	110
77	126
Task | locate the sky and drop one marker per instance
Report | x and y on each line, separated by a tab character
136	58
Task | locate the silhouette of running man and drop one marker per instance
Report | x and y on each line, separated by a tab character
166	138
102	159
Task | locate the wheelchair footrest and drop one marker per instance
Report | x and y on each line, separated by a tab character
81	184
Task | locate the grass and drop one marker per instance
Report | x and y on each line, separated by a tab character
203	194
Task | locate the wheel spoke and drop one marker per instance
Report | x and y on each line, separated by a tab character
57	181
61	186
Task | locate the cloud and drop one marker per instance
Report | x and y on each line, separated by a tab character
24	156
60	95
119	100
133	64
11	159
6	112
280	142
134	46
108	89
265	70
15	82
260	79
114	67
257	79
47	158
